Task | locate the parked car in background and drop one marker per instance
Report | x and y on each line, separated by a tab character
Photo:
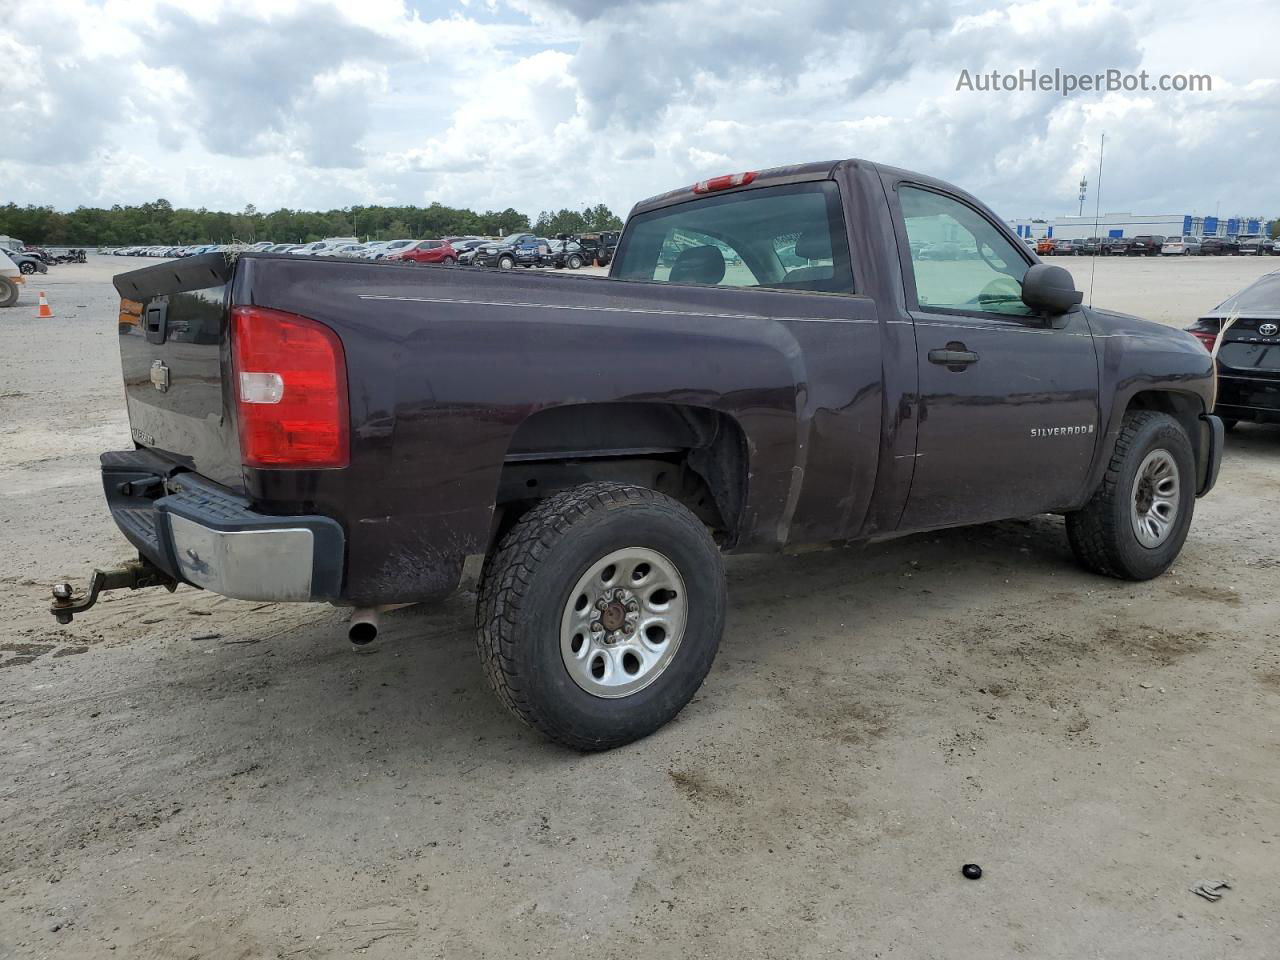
1044	247
599	247
563	253
386	248
343	250
467	250
1249	355
1068	248
1254	245
1146	245
1218	246
312	249
505	253
283	248
1093	246
1116	246
1180	246
28	263
427	251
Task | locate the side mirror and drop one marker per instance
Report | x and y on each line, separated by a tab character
1049	289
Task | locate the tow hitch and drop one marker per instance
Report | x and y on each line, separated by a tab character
133	575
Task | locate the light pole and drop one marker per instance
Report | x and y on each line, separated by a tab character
1084	185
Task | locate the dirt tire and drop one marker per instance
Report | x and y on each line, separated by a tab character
1104	535
8	292
527	599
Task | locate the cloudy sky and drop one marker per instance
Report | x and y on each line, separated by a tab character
542	104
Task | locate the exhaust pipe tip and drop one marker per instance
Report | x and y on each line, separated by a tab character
364	626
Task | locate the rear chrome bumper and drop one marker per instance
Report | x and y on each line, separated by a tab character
203	534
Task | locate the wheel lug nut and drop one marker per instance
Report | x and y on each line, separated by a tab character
632	606
602	603
596	626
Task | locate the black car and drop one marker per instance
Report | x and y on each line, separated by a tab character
1116	246
1145	245
561	254
599	247
1219	246
1254	245
1093	245
1249	354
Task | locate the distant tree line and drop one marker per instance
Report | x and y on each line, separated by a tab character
590	220
159	222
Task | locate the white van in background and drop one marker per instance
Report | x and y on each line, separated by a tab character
10	280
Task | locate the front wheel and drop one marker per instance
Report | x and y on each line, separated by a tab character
575	262
1135	524
600	614
28	268
8	292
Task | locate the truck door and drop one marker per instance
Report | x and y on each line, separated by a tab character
1008	408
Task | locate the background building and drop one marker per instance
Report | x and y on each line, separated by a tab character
1133	224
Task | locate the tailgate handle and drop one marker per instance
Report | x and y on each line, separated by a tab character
154	321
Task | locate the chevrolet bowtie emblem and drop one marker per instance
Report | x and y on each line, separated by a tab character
159	375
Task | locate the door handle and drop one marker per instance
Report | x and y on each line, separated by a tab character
954	356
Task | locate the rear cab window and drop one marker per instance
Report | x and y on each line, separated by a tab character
790	237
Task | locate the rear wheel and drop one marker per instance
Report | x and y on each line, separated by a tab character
1135	524
600	614
8	292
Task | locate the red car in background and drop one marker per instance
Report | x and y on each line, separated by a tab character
428	251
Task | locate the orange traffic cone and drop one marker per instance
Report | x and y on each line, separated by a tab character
44	310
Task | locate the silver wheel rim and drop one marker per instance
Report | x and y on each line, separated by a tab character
623	622
1154	507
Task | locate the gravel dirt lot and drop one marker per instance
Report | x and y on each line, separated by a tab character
186	776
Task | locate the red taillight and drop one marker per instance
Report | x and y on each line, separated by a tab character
725	182
1206	337
291	390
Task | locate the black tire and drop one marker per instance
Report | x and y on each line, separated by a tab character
506	262
27	268
575	262
1229	424
526	587
1101	534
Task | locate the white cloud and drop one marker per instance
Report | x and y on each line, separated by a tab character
541	104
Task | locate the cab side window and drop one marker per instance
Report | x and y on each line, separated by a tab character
961	261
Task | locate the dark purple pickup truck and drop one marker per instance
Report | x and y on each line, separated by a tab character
779	359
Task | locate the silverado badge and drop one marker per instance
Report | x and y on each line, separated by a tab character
159	375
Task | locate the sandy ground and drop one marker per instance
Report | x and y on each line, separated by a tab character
186	776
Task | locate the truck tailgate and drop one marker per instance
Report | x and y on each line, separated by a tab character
173	350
